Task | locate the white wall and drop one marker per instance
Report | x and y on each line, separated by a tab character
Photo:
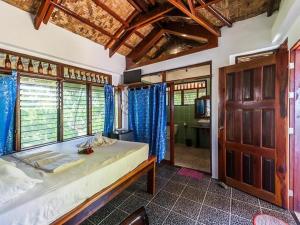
54	43
249	35
287	23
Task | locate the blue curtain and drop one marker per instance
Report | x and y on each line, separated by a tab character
109	110
147	117
8	95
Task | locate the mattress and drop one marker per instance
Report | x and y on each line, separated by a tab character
61	192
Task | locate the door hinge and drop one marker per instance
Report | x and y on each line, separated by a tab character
291	94
291	66
291	131
291	193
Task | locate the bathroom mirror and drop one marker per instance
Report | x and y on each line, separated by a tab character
202	107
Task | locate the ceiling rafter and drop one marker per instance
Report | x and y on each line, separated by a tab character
207	25
139	22
150	40
138	6
154	15
121	29
49	12
215	13
41	13
111	12
80	18
192	6
208	2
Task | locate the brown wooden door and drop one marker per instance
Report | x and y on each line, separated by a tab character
253	133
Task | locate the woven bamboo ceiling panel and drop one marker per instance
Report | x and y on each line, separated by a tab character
111	22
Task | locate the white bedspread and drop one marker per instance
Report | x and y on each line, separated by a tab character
63	191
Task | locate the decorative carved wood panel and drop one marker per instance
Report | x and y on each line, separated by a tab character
253	98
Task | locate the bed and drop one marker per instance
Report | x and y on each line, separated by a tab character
70	196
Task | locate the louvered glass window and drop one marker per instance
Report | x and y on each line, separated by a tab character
38	111
190	96
74	110
98	109
177	98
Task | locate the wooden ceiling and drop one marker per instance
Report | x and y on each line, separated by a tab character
146	31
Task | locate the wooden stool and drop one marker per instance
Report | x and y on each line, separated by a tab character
139	217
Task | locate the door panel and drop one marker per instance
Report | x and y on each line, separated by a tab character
253	151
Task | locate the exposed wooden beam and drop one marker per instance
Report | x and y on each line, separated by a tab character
188	31
270	8
41	13
121	41
49	12
81	19
152	2
145	45
121	29
179	4
208	2
151	17
111	12
136	5
216	13
192	6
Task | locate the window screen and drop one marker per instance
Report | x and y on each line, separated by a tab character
177	98
38	111
189	96
74	110
98	109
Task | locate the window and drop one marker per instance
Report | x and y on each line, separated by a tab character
177	98
189	96
74	110
98	109
38	111
201	92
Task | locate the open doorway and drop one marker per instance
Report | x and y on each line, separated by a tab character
189	117
192	123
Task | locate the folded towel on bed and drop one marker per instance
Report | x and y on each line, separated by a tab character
49	161
97	141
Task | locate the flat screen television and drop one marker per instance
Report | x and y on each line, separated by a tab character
132	76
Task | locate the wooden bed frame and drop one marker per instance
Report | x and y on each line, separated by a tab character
92	204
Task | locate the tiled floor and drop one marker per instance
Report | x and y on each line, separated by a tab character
183	201
191	157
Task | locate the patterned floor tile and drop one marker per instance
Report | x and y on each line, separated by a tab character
268	205
156	214
101	214
212	216
193	194
118	200
133	203
217	201
160	183
236	220
199	184
214	187
177	219
87	222
115	218
165	173
242	196
180	179
165	199
243	209
187	208
174	188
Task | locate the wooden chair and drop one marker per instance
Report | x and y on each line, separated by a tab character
139	217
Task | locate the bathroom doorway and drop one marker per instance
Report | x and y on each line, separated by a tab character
189	115
191	96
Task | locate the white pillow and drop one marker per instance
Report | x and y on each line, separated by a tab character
13	181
